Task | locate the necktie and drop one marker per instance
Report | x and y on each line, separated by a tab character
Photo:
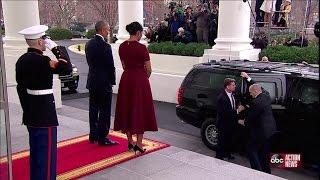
233	102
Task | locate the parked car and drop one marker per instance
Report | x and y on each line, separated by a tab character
295	102
77	34
70	80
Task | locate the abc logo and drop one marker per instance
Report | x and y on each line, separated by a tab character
276	159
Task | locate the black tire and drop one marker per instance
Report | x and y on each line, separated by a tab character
209	134
73	88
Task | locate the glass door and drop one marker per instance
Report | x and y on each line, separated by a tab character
5	139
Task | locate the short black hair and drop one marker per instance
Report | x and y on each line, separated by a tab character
134	27
99	25
228	81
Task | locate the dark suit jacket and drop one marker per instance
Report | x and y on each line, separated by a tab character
101	74
226	116
260	119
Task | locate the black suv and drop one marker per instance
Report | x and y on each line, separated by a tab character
70	80
295	102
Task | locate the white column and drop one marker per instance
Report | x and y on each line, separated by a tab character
129	11
233	40
17	16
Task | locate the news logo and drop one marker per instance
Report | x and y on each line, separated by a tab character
283	160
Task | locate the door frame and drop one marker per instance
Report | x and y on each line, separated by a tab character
5	106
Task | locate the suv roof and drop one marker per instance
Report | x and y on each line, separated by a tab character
294	69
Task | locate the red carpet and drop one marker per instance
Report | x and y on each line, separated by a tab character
76	157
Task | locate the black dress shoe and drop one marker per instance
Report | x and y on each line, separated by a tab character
230	157
107	142
130	146
137	148
219	157
92	140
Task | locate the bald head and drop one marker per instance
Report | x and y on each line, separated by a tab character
255	90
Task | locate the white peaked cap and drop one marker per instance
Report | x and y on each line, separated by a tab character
34	32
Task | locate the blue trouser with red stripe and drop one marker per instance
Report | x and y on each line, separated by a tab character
43	153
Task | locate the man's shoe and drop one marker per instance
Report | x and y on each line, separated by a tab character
107	142
219	157
230	157
92	140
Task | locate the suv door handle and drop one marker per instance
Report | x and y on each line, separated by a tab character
202	96
200	104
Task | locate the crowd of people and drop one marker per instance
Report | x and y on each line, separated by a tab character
187	24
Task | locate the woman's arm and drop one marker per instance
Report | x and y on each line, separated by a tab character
123	65
147	65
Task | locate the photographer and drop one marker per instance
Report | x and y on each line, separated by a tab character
183	36
202	23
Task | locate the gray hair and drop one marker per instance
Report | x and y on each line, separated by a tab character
255	87
99	25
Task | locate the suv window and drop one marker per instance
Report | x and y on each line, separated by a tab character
211	80
310	94
201	80
271	88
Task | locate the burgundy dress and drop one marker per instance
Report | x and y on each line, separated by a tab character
134	110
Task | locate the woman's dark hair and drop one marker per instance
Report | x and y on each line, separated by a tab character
133	28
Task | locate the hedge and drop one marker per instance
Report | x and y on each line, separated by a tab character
91	33
59	33
292	54
277	53
181	49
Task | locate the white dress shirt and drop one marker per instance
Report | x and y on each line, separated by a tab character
232	101
101	36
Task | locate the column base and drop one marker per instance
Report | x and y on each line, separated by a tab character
56	86
215	54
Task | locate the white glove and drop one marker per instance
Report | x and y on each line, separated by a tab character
50	44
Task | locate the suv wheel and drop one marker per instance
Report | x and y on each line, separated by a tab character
209	134
73	88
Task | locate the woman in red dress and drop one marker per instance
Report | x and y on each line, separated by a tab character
134	110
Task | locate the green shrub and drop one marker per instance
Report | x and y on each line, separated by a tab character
91	33
167	49
281	39
181	49
292	54
59	33
178	49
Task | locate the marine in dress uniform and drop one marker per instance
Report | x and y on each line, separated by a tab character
34	74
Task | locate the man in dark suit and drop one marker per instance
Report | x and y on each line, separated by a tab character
261	125
101	78
226	119
34	74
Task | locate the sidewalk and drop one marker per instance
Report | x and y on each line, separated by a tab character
168	163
